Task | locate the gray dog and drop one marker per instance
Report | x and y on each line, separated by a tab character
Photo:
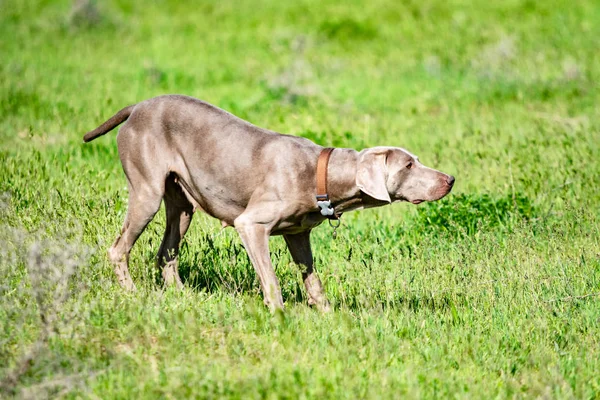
196	156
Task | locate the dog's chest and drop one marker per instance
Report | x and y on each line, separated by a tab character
301	224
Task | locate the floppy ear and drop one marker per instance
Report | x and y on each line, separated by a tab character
371	173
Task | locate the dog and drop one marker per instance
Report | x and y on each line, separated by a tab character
196	156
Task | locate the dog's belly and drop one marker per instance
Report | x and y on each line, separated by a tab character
213	201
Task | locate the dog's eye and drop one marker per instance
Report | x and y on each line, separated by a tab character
409	165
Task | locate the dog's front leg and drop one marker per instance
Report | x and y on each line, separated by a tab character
255	237
299	246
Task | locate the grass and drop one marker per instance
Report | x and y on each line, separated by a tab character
490	293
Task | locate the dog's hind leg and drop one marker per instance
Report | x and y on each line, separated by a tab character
143	205
146	189
179	216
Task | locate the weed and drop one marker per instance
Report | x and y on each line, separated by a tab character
468	215
348	29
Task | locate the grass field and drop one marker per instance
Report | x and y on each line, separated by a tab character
493	292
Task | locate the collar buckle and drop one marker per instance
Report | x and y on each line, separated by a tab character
325	206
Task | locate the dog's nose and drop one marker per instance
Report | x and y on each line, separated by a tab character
450	180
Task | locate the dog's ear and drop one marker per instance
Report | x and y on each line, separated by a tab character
371	173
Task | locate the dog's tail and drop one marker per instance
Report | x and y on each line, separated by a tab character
109	125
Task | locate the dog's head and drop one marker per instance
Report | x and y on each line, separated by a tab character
393	174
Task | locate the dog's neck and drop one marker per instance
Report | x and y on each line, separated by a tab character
341	183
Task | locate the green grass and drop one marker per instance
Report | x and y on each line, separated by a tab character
481	295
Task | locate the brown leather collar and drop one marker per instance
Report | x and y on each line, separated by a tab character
323	201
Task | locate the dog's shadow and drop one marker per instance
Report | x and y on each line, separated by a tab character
240	279
227	269
447	304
